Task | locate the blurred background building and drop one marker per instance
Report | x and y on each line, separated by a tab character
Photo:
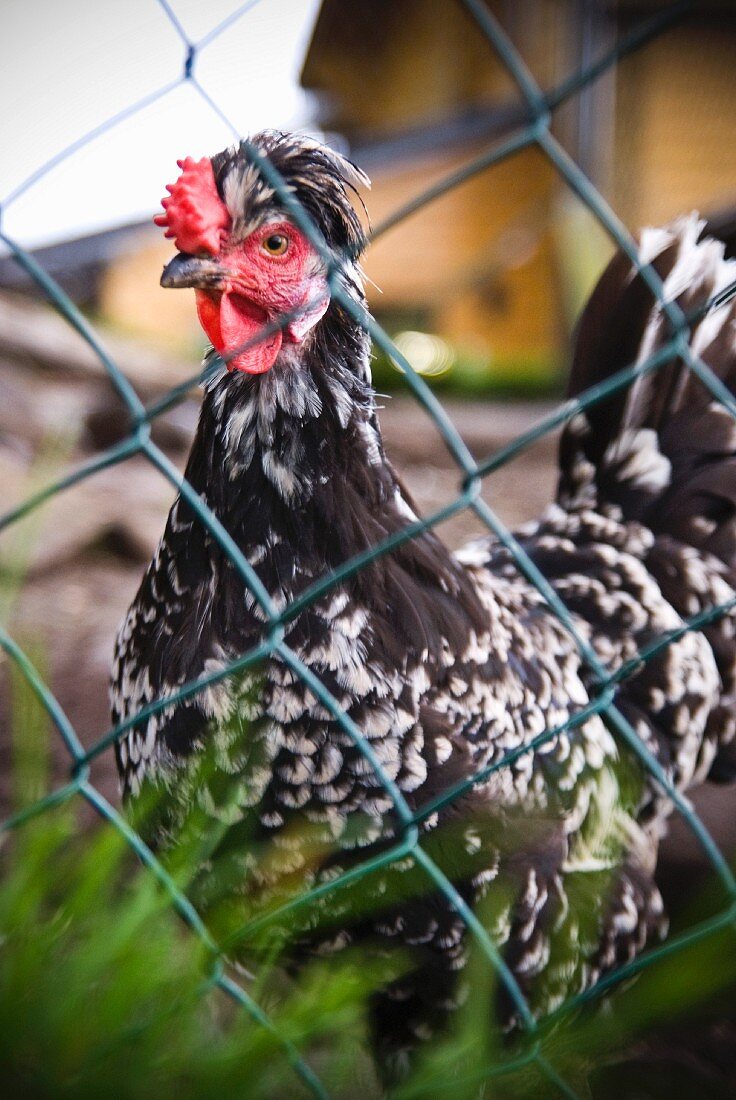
500	266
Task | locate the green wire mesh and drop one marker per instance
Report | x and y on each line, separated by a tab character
536	132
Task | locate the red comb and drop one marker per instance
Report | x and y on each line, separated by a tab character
194	214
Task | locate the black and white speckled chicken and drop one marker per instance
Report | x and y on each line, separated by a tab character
446	662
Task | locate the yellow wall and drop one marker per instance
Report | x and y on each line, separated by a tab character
479	258
676	128
132	299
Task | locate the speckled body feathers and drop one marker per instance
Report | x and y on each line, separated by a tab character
448	663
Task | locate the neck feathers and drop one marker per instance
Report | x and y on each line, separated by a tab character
292	462
279	439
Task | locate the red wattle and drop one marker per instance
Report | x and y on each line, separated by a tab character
234	321
208	311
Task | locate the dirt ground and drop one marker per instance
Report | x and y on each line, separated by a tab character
69	571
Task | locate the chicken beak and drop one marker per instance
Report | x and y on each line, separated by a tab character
202	273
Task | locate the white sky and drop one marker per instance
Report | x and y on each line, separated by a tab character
67	65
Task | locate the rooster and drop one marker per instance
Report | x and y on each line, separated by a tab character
445	662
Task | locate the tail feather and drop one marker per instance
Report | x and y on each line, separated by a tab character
662	451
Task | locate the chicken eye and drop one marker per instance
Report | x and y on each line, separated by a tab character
276	244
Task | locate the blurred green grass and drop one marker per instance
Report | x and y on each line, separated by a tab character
104	991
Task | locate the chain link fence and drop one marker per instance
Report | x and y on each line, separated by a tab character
536	132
